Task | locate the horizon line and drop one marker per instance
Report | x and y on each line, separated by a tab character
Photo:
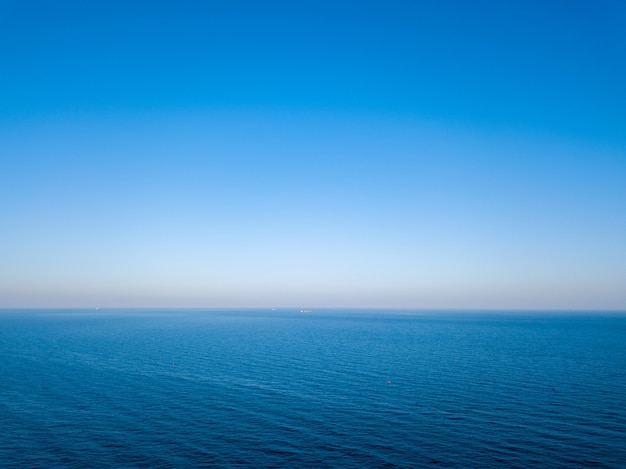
314	308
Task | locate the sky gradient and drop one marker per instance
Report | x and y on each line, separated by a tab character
363	154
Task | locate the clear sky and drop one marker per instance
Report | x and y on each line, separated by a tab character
449	154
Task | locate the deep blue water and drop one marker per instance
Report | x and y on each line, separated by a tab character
326	389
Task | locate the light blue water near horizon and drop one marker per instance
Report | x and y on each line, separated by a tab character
332	388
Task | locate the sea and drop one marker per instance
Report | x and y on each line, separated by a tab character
320	389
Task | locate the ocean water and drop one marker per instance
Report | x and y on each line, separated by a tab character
245	388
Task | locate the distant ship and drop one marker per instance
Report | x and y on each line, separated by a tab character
306	310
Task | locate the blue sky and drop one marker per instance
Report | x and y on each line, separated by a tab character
368	154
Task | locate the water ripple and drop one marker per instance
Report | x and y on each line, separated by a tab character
256	389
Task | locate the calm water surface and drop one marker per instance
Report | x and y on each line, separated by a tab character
324	389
